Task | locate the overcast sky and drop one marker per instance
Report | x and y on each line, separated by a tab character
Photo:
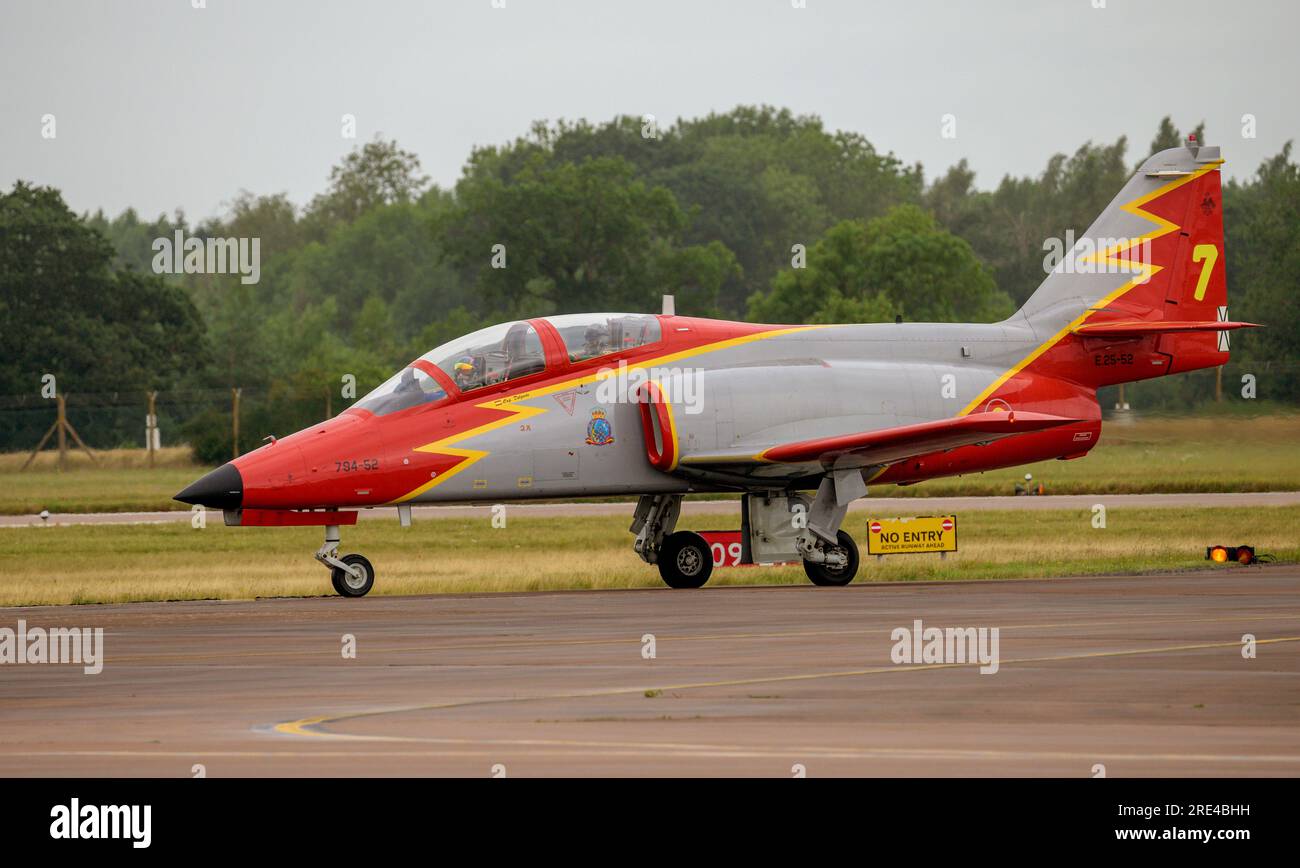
158	105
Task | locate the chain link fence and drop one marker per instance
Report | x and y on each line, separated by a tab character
209	420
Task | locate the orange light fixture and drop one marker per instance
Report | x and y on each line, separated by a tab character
1244	555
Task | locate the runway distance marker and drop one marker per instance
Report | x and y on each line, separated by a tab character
728	550
726	547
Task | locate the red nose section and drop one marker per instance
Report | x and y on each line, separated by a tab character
336	463
275	475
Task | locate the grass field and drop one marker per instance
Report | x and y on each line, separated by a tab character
120	481
86	563
1223	453
1159	455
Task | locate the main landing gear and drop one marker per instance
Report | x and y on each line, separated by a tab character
835	572
351	575
776	527
830	556
684	558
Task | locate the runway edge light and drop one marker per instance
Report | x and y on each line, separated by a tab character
1244	555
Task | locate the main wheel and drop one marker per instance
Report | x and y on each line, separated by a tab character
685	560
349	585
825	574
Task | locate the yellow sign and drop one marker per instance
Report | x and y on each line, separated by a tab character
900	536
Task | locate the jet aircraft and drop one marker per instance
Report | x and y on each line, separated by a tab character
798	419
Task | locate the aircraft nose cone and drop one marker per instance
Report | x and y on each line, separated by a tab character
223	488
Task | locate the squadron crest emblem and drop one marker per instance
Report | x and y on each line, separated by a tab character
599	431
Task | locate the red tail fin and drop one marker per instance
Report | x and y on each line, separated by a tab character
1194	288
1149	274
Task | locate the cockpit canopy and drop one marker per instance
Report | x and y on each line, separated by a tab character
592	335
490	356
509	351
407	388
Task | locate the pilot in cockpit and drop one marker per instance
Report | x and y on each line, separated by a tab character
467	376
595	342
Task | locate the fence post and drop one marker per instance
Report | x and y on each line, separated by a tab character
64	428
234	416
62	422
150	426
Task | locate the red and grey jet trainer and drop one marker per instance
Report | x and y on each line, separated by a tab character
798	419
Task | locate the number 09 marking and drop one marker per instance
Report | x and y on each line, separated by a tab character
1209	254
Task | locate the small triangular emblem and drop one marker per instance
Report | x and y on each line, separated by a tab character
567	400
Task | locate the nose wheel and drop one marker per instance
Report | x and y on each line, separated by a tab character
357	582
351	575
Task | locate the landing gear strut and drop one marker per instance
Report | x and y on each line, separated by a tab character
684	558
834	572
351	575
830	556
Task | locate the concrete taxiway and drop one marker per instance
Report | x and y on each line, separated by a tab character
875	505
1141	675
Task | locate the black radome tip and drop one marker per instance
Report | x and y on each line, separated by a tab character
223	488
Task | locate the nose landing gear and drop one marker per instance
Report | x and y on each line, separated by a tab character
357	582
352	575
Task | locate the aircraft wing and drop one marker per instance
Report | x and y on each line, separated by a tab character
882	446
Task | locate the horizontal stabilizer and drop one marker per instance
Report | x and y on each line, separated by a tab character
1140	328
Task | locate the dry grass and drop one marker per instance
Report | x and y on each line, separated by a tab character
47	461
83	563
119	481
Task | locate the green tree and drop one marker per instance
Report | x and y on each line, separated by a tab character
132	238
1168	136
69	313
756	179
1007	227
902	263
390	253
1262	220
377	173
569	237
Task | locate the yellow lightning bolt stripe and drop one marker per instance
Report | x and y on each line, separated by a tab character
515	413
1146	271
469	456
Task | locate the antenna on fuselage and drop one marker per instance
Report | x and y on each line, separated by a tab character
669	306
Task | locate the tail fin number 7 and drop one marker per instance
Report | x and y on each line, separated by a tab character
1208	254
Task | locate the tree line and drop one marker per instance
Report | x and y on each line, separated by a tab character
572	216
